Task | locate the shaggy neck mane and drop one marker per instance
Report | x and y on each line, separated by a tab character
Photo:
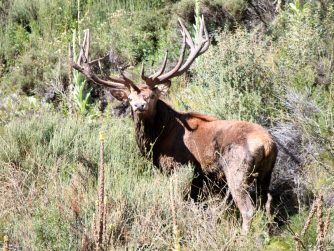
150	130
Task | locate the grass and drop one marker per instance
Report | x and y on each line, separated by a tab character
49	179
56	188
49	155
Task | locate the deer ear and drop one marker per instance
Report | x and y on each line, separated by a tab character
164	87
121	95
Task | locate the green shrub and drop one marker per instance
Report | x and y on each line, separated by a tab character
233	80
137	35
13	40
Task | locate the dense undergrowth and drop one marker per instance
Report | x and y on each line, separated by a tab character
280	77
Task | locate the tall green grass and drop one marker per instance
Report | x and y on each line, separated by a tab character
50	171
49	176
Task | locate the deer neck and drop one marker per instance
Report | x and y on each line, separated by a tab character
150	129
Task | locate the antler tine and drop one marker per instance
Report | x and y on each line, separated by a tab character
72	64
84	58
163	67
197	47
189	39
206	34
94	61
87	45
166	76
142	71
142	74
201	29
81	46
70	52
129	82
83	65
200	47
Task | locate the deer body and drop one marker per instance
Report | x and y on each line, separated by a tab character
235	152
197	138
230	151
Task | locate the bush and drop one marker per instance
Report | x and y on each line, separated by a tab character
233	80
137	35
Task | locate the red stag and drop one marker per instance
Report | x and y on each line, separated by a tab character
235	152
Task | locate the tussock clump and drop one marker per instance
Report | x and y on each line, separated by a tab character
297	150
288	186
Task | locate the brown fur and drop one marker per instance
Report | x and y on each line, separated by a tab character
233	151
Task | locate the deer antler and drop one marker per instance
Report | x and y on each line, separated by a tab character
197	47
83	65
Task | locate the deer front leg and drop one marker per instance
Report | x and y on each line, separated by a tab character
196	186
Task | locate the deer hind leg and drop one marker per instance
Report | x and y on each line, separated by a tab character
237	175
262	187
263	181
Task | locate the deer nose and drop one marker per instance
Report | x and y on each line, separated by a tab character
139	107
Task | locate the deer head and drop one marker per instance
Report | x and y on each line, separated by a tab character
143	97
